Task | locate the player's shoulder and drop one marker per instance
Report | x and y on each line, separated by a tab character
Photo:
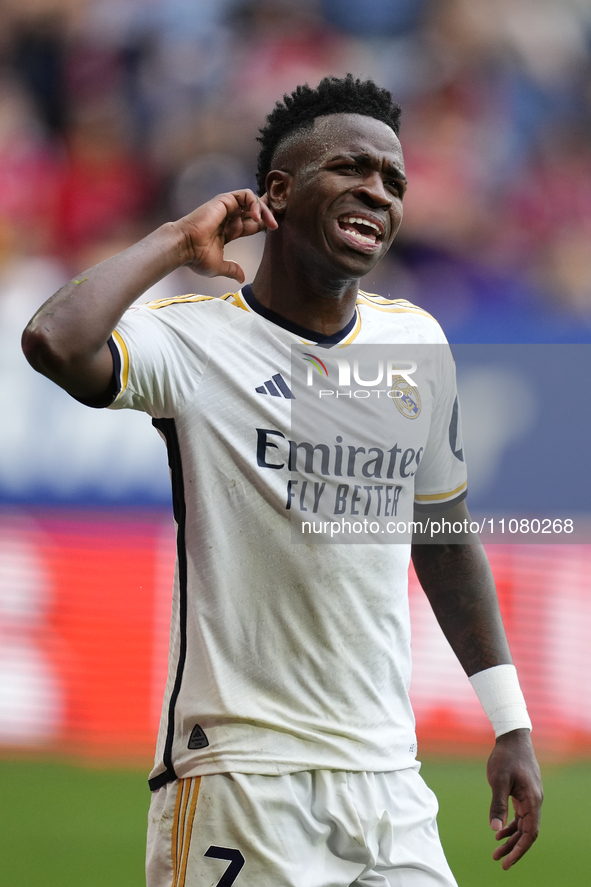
390	306
194	299
192	311
401	317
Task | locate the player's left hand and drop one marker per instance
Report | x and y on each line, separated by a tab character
513	771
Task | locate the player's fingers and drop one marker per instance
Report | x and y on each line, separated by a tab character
251	226
249	203
230	269
242	226
521	847
507	847
247	220
509	830
233	228
256	208
235	205
528	809
498	807
526	830
257	217
267	213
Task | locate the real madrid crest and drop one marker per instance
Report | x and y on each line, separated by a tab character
406	398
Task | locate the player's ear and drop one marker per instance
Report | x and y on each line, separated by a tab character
278	184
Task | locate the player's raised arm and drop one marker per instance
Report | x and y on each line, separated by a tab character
67	338
458	581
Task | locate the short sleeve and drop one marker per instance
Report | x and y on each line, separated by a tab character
160	355
441	479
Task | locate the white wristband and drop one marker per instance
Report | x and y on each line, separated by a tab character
501	698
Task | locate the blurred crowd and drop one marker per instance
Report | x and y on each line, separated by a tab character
116	115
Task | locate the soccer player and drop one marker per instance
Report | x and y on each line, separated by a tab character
286	753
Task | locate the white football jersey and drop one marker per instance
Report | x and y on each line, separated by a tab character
284	656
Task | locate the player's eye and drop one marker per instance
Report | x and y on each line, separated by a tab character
397	186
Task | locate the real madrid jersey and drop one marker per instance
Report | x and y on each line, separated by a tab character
287	653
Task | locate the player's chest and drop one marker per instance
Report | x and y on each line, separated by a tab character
283	405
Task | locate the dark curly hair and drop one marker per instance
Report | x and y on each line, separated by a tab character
333	95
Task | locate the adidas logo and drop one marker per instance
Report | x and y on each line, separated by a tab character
276	386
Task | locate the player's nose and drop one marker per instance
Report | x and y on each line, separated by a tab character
374	192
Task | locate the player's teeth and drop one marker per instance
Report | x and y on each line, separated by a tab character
354	220
361	237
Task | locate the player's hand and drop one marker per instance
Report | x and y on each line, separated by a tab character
207	230
513	772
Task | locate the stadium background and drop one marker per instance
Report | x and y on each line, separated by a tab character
116	115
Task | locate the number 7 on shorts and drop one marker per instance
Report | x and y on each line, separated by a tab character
236	862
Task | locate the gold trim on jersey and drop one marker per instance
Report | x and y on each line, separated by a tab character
438	497
182	827
372	300
191	297
125	360
393	306
239	301
354	332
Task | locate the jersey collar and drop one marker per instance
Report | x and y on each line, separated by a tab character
301	331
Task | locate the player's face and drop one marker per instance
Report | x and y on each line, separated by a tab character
343	200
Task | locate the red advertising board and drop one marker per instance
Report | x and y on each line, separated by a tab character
84	620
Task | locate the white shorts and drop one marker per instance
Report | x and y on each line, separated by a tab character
318	828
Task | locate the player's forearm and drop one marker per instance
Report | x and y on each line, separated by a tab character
458	581
71	328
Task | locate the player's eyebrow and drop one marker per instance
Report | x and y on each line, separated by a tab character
369	160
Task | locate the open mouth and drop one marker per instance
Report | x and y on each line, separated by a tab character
361	230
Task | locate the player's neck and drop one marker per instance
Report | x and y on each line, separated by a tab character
312	300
